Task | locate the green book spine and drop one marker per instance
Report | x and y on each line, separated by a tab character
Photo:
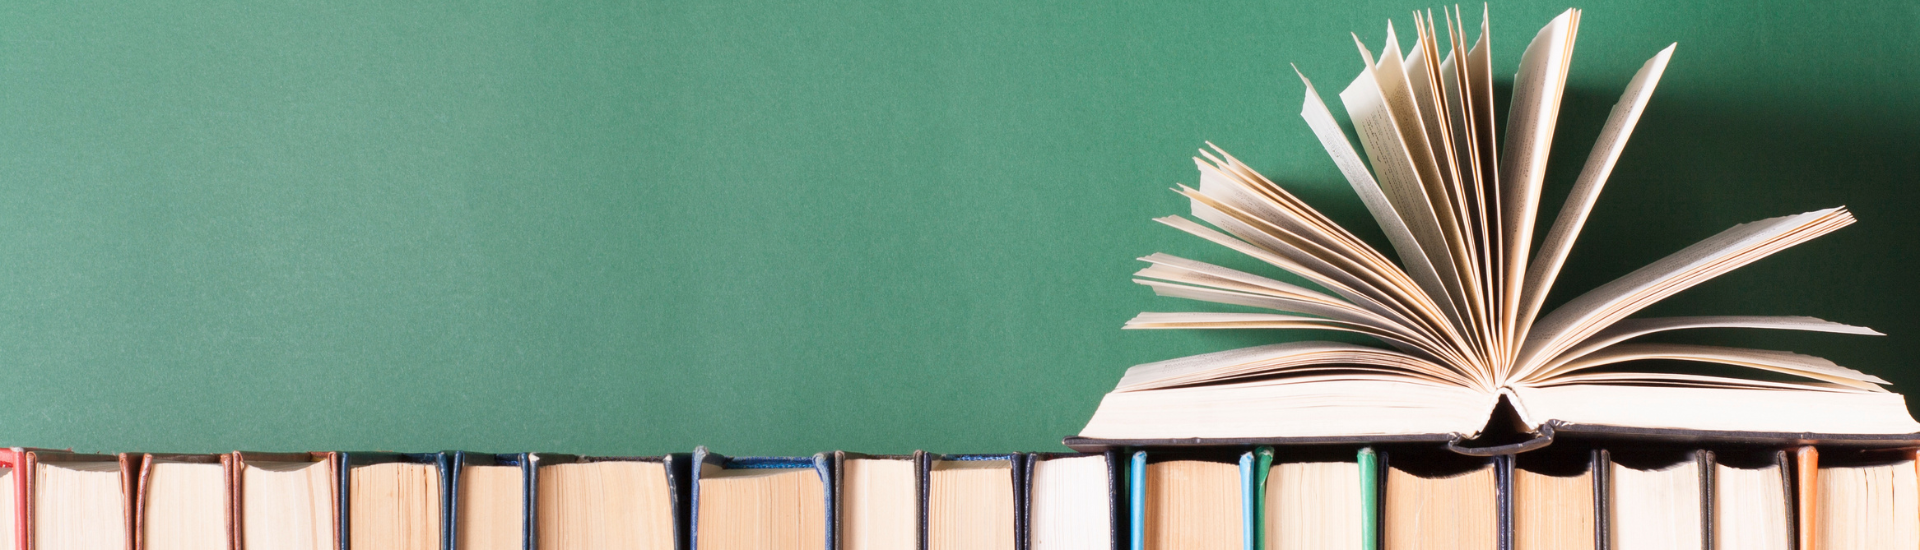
1262	465
1369	499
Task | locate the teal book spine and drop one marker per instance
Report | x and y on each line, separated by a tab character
1137	501
1369	499
1246	500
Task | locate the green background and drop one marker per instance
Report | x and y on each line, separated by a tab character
773	229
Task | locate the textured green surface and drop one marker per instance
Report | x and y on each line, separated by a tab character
634	228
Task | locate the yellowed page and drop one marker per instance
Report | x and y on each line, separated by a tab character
1293	229
1255	193
1279	224
1460	106
1678	380
1478	78
880	506
1868	507
970	505
1264	360
492	508
1547	508
753	509
1191	505
1634	328
1314	506
1584	315
609	504
1427	87
1774	361
1399	178
1319	272
1180	270
1656	509
1456	512
1750	508
1606	151
303	515
78	506
1418	265
1537	89
7	524
1398	97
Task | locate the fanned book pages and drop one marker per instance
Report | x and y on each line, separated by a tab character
1457	304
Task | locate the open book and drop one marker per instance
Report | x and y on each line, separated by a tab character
1460	313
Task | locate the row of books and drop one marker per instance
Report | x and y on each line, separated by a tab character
1298	498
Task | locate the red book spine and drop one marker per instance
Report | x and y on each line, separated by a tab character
11	458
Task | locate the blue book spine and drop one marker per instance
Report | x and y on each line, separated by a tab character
1246	500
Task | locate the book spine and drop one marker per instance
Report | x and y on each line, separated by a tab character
1262	467
1116	512
1369	498
443	465
1785	466
1137	501
1807	470
1503	501
1246	501
1704	460
1602	466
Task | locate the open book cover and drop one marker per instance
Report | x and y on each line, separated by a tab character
1459	317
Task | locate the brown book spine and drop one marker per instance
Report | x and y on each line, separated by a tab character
30	464
137	469
229	467
1807	469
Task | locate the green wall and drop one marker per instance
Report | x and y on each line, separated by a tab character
638	227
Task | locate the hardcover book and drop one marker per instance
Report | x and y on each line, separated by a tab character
592	502
1073	501
762	503
1192	501
286	500
181	501
487	501
972	501
1465	344
877	498
394	501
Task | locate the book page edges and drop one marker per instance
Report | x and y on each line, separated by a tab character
1719	409
1253	409
1638	414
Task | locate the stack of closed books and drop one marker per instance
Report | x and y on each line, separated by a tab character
1333	496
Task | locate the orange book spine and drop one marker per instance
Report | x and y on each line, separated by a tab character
1807	477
